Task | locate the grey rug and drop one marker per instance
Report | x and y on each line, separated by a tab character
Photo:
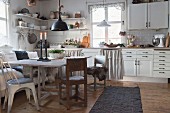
118	100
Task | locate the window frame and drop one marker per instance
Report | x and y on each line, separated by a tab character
123	20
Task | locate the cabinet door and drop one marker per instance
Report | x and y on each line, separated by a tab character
158	15
137	16
144	67
129	67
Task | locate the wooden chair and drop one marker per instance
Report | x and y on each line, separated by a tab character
74	64
16	84
98	70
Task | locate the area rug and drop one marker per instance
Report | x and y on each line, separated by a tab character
118	100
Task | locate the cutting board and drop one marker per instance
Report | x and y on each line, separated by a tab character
167	40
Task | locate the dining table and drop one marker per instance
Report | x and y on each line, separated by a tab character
42	65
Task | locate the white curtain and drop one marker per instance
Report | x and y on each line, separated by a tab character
113	63
119	5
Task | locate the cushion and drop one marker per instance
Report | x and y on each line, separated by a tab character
20	80
18	68
9	56
32	55
21	55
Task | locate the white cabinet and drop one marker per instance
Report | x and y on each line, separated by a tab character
148	15
137	62
161	66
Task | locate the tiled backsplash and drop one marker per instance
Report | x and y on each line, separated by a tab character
145	36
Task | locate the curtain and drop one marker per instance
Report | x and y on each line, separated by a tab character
113	63
119	5
7	2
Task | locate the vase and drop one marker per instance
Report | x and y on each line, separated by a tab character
52	15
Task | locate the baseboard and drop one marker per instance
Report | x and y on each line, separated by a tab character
146	79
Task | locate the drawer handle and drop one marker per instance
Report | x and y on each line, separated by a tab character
161	52
161	72
144	56
128	56
145	52
161	60
161	56
162	64
128	52
161	68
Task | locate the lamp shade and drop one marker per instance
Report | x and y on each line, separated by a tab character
103	24
59	26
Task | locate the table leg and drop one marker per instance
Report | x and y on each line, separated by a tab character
39	85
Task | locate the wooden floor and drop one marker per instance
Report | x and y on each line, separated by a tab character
155	99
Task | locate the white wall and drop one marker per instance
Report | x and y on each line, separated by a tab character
15	6
70	6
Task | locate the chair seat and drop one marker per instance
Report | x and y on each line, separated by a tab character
75	78
100	72
20	80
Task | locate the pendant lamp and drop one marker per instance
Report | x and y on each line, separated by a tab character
103	23
59	25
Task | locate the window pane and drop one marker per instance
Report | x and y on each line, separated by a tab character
98	14
114	14
98	32
96	42
2	10
2	28
113	32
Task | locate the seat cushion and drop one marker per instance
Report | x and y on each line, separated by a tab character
75	78
100	72
20	80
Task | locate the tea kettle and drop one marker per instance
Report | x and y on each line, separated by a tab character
158	40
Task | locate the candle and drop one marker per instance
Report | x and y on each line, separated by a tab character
40	36
45	35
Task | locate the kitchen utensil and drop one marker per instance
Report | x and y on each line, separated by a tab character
155	41
32	38
167	40
161	38
25	10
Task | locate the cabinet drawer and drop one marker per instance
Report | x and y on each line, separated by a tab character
129	56
162	65
129	52
163	74
162	60
161	68
162	56
145	52
162	52
145	56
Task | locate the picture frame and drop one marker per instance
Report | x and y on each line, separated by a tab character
31	3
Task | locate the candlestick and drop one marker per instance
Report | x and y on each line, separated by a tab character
45	35
46	58
41	36
40	58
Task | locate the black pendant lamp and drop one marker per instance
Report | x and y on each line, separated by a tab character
59	25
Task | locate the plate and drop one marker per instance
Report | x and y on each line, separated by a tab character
25	10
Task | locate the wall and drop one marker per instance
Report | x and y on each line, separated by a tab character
70	6
15	42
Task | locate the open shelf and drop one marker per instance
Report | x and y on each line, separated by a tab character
27	16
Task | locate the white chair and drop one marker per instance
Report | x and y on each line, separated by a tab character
16	84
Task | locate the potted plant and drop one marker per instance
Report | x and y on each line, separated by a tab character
56	54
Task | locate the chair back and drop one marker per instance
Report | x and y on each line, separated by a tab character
76	64
5	66
100	59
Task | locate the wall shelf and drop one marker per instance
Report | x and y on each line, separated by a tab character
27	16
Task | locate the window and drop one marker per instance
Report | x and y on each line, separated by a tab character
113	15
3	23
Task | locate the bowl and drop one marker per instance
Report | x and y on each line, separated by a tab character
34	15
43	27
57	55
